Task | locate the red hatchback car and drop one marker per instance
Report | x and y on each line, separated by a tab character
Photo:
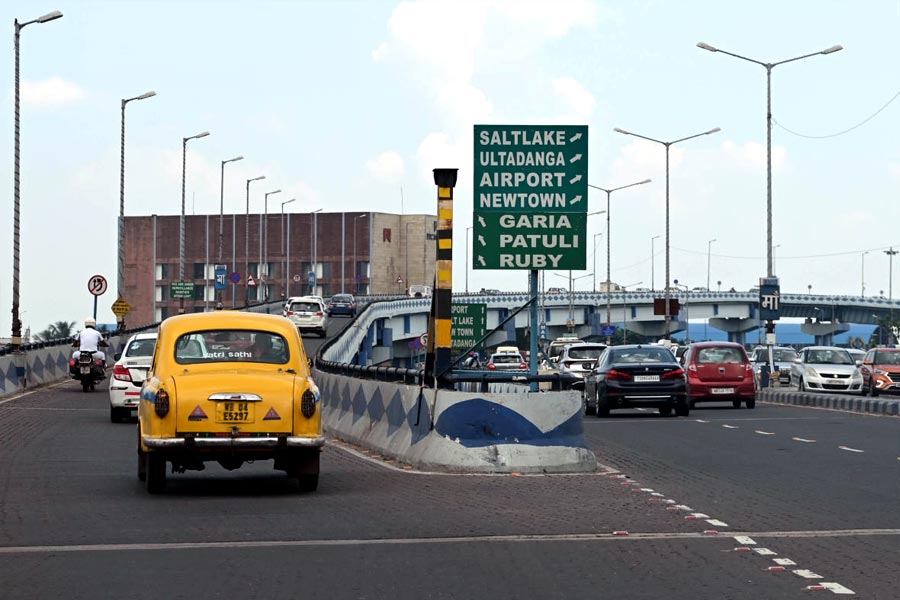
719	372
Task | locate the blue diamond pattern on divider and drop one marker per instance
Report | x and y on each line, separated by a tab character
50	364
359	403
326	391
37	367
62	362
2	381
11	373
396	416
346	400
419	411
376	406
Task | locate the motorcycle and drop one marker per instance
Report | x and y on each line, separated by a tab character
88	370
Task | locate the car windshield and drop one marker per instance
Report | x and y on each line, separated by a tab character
829	357
141	348
305	307
887	358
718	355
641	355
585	353
224	345
342	298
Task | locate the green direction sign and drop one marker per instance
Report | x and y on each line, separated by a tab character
181	289
533	171
468	325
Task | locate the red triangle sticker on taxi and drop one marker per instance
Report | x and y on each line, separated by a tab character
197	414
272	415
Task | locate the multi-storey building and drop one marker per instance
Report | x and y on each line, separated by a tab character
287	255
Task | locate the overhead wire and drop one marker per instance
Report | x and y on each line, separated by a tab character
845	131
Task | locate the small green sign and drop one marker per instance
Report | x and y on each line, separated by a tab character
468	325
181	289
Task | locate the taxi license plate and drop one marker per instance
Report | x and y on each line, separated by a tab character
134	412
646	377
85	370
234	412
723	390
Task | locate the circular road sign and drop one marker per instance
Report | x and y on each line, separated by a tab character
423	339
297	278
97	285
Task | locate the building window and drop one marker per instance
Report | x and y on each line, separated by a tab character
162	312
362	270
199	291
162	271
162	293
386	234
325	269
199	270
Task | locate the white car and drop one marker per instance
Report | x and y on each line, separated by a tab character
308	313
128	376
826	369
579	360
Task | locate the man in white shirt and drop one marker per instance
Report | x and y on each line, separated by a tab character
90	340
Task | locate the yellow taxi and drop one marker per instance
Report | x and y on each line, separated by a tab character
229	387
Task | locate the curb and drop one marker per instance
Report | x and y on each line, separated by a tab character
861	404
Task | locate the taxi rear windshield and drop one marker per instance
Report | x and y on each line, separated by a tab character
230	345
305	307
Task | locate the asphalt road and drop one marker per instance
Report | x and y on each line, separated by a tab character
818	488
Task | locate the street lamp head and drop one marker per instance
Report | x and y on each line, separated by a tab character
835	48
236	158
256	178
49	16
598	212
713	130
199	135
146	95
288	201
317	210
643	182
706	46
364	215
272	192
617	130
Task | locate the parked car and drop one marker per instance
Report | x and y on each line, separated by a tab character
489	292
783	358
419	291
634	376
880	371
342	304
826	369
249	399
308	314
719	372
578	360
506	361
128	375
557	290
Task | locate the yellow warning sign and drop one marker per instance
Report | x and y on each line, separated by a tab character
120	307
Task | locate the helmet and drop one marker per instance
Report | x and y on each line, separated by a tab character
89	322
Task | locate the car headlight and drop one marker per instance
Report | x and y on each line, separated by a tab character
811	372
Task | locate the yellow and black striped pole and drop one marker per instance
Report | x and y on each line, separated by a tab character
437	358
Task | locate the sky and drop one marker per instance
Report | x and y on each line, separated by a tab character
347	106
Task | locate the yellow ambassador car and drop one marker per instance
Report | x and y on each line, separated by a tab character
229	387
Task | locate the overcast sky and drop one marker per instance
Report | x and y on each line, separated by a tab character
342	104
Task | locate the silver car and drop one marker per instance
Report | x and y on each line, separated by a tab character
826	369
783	357
578	360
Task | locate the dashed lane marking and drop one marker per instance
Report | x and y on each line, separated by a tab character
804	440
784	562
806	574
730	426
745	540
836	588
848	449
761	432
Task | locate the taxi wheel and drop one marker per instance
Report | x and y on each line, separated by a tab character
308	482
155	473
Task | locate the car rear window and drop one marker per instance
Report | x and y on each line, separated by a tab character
642	355
585	353
140	348
507	359
305	307
228	345
718	355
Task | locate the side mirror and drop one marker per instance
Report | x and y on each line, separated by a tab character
117	355
859	363
798	360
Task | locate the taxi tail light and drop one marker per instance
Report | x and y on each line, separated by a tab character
121	373
492	367
319	313
614	375
308	404
673	374
161	406
290	312
523	366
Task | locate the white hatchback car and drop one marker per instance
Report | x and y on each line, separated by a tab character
826	369
308	313
128	376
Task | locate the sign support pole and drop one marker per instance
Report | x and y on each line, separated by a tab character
440	327
95	308
535	326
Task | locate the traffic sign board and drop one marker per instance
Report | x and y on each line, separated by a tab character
607	330
235	277
530	196
220	283
97	285
468	324
120	307
297	278
250	280
181	289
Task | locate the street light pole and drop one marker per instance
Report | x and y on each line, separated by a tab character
283	254
222	218
315	248
770	261
653	263
265	243
355	273
863	274
247	237
668	145
184	142
594	284
120	280
16	338
609	246
891	252
708	260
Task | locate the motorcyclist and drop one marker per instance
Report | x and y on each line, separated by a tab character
90	340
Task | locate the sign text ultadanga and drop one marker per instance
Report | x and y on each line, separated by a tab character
530	197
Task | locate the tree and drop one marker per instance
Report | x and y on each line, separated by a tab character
56	331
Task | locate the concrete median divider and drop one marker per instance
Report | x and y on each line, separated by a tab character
454	431
863	404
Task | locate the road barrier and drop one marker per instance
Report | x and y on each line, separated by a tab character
864	404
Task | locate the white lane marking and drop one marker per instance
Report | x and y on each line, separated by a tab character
848	449
760	432
646	489
702	421
745	540
765	552
657	494
804	440
836	588
730	426
21	395
717	523
699	515
784	562
806	574
54	408
688	508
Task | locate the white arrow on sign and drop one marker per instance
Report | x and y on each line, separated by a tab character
576	199
481	221
575	137
575	179
575	158
481	260
481	239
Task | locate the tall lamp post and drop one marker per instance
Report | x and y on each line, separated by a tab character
222	218
247	236
16	324
314	249
264	244
667	145
571	322
184	142
120	279
355	273
891	252
653	263
594	284
708	260
770	261
283	253
609	246
863	274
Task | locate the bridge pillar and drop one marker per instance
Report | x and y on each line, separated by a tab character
823	332
735	327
